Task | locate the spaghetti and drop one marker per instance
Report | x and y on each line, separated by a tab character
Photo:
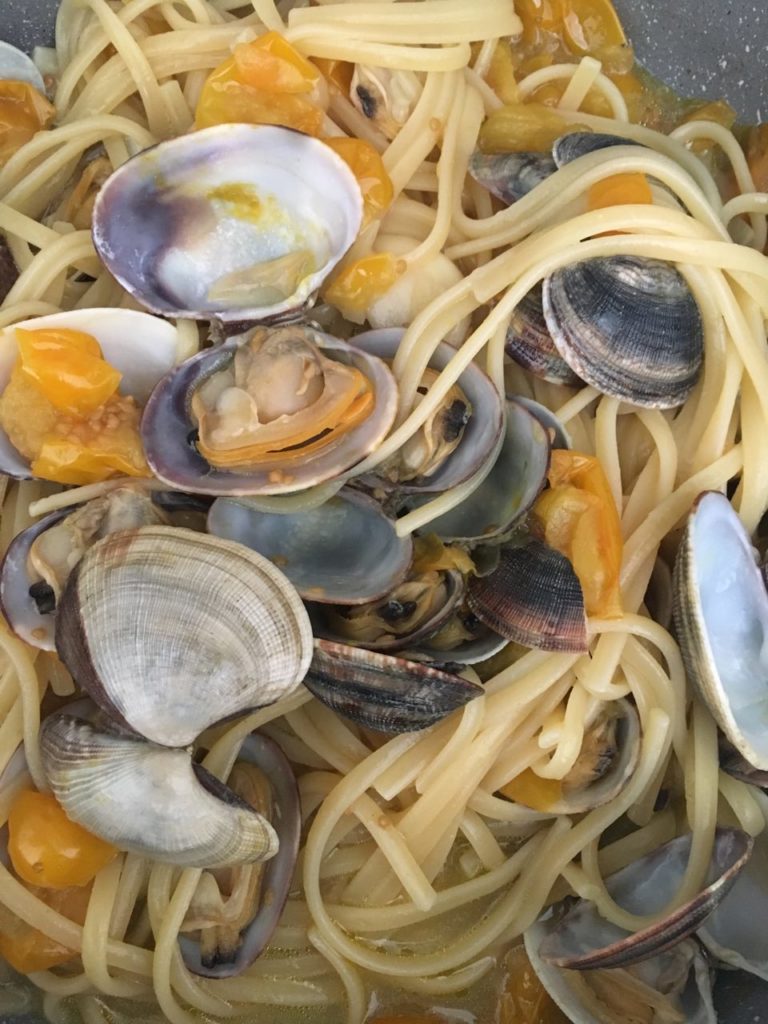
414	871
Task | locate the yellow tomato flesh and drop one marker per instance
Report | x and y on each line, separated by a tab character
580	520
48	849
358	286
620	189
530	789
25	948
23	112
368	167
585	26
67	367
266	81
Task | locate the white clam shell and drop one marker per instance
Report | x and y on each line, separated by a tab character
149	799
171	631
142	347
15	65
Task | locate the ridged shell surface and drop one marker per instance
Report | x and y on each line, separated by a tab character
171	631
628	326
530	344
149	799
510	176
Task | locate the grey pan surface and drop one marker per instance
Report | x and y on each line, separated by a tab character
707	48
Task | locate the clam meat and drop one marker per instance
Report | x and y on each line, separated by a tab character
284	409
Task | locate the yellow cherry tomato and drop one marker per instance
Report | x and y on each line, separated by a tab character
530	789
523	998
619	189
337	73
23	112
48	849
25	948
580	520
67	367
361	283
266	81
368	167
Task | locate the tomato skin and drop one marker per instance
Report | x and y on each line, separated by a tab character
358	285
67	367
23	112
48	849
368	167
579	519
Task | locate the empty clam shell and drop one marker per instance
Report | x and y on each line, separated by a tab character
628	326
171	631
384	693
721	618
581	939
168	430
149	799
345	551
509	490
237	222
142	347
278	872
510	176
483	429
533	597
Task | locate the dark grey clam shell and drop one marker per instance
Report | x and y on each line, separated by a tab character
571	146
382	692
559	436
582	940
18	607
278	872
482	432
628	326
455	595
532	597
168	432
530	344
510	176
509	490
345	551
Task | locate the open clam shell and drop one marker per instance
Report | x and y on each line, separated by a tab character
582	940
530	345
345	551
195	226
721	618
533	597
510	176
168	430
382	692
628	326
149	799
482	431
263	752
403	618
171	631
142	347
558	435
679	978
16	66
54	545
572	145
509	490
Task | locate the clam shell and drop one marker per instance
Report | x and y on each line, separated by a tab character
581	939
559	436
167	430
530	345
149	799
382	692
571	146
172	221
628	326
142	347
481	434
532	597
278	873
345	551
563	986
17	605
510	176
16	66
721	618
509	490
171	631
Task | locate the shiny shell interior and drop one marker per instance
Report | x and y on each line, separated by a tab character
195	227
